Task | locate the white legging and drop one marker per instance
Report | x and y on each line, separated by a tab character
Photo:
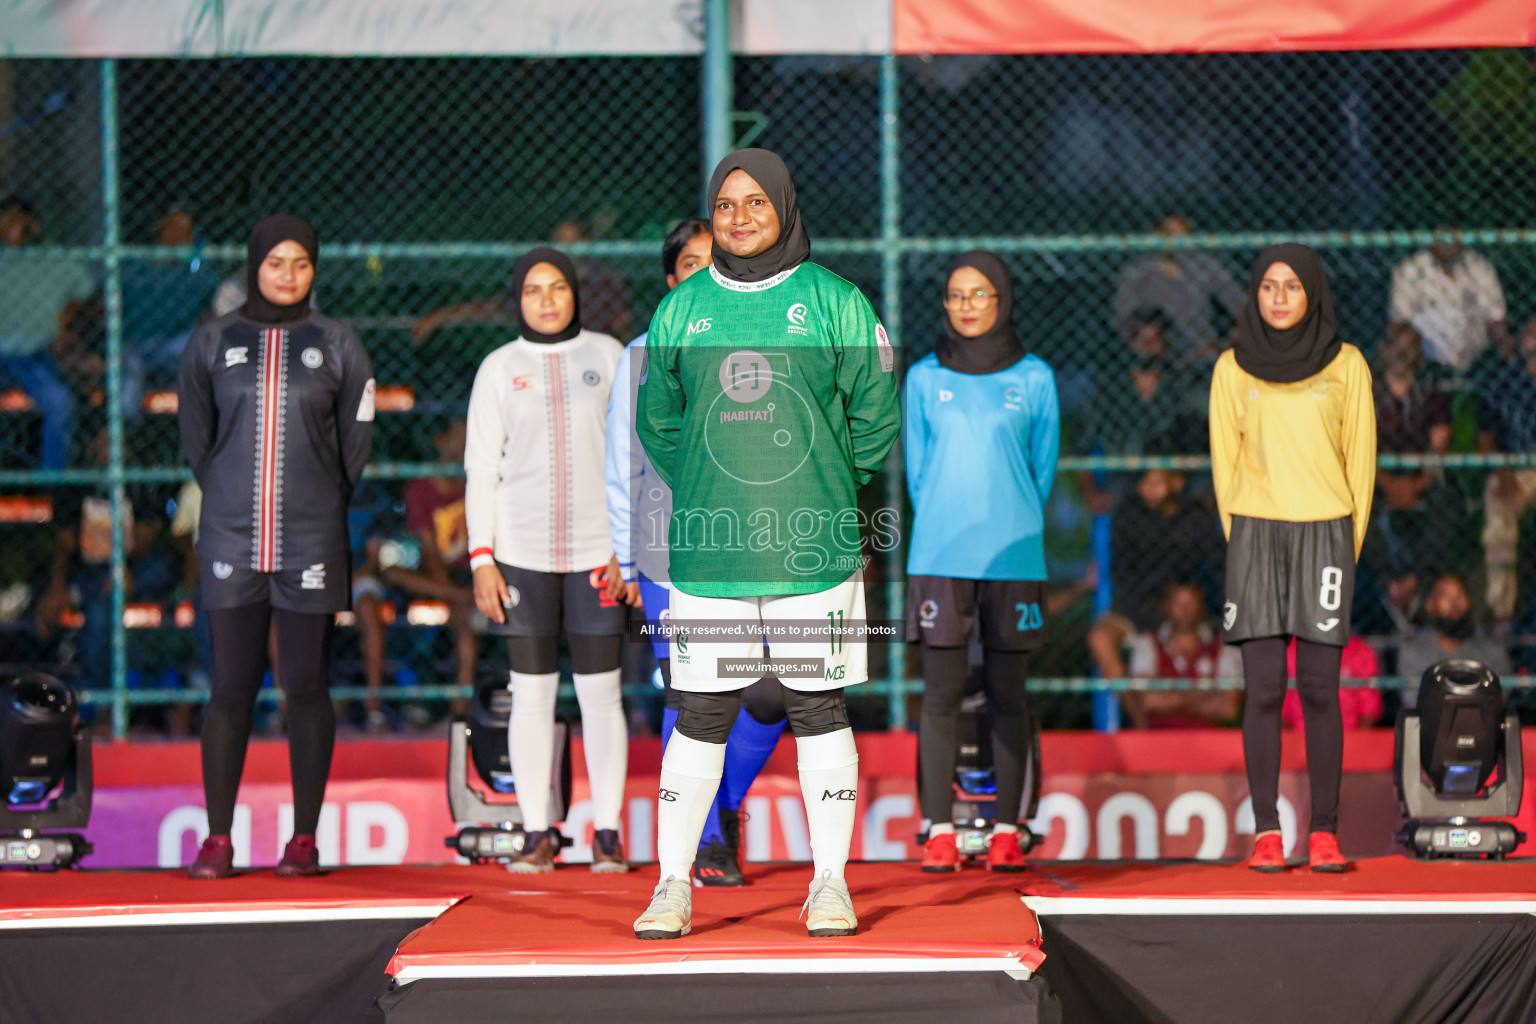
605	738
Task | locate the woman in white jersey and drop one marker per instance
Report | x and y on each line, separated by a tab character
539	544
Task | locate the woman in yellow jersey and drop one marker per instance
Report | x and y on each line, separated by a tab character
1293	455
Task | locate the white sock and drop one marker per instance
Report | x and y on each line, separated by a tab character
829	782
605	738
531	736
690	777
946	828
1004	827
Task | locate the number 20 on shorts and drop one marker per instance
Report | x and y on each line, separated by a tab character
1029	616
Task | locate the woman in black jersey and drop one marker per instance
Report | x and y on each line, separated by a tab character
276	409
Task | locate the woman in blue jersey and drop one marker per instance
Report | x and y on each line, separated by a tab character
981	434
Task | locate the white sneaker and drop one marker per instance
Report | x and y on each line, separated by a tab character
668	916
828	909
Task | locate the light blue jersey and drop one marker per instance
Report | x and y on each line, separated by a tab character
981	457
639	501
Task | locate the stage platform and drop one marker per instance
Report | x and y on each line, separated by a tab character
114	946
1392	940
562	945
459	942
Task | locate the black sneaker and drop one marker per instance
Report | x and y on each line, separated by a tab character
730	828
715	865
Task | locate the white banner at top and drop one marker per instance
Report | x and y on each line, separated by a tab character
537	28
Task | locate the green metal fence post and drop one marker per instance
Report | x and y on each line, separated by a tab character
113	291
890	292
718	96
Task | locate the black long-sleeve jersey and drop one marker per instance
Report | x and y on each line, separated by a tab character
276	422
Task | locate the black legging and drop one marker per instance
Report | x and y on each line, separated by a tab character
540	655
1317	681
239	659
944	674
709	717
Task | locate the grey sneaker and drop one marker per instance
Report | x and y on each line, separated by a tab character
668	916
828	909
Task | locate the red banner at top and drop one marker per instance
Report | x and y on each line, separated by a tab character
1207	26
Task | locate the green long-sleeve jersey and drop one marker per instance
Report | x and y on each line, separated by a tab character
765	406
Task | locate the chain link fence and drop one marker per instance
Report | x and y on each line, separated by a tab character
1128	193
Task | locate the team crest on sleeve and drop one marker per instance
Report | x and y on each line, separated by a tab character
887	352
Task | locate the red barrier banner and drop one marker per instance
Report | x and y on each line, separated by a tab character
1134	795
1207	26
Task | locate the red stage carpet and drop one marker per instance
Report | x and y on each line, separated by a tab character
578	923
81	899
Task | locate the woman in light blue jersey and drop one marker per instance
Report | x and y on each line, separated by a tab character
981	433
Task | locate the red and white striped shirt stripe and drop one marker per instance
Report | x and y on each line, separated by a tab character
271	402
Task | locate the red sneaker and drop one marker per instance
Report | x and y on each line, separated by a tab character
1268	853
1004	853
1325	855
215	860
940	853
300	858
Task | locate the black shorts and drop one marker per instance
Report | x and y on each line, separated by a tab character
1289	579
944	612
541	602
323	587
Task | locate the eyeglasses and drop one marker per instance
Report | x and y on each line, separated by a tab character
978	299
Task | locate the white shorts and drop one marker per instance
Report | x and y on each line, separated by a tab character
696	660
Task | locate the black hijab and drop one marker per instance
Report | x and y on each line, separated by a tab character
792	247
997	349
268	234
1303	349
561	262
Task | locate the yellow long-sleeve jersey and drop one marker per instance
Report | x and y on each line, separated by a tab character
1300	453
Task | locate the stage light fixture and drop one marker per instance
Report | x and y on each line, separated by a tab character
1459	757
45	773
481	787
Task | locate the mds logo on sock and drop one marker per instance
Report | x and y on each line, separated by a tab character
840	794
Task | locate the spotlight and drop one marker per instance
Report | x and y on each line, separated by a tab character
1448	753
486	796
45	773
974	808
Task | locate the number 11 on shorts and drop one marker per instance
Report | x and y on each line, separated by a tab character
835	624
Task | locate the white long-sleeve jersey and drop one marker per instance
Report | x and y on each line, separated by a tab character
533	459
